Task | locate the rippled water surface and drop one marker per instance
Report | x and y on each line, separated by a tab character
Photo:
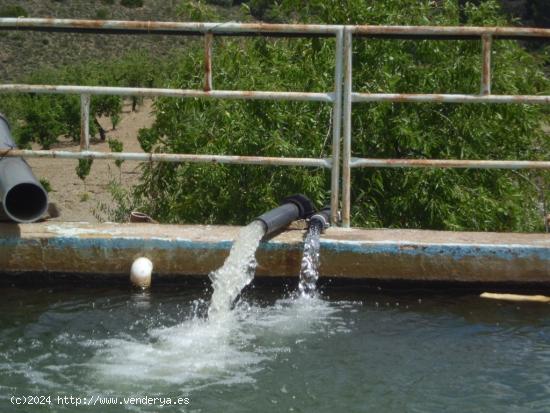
345	351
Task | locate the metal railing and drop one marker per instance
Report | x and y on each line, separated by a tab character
208	31
341	98
486	34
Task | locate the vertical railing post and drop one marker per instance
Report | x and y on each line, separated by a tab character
346	153
486	41
336	128
84	122
208	39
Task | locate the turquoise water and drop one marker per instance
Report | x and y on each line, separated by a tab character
350	350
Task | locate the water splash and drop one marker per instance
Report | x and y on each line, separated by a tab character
231	345
196	352
199	352
237	270
309	272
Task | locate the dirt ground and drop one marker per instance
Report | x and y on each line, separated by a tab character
79	201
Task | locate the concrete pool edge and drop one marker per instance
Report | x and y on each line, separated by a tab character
184	250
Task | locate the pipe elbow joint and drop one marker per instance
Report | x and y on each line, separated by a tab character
303	203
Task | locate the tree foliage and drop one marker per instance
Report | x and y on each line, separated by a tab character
13	11
210	193
406	198
44	118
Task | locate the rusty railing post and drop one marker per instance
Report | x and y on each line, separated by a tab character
486	41
208	39
346	155
336	128
84	122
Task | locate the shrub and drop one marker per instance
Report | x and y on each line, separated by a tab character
83	169
42	121
46	185
197	10
116	146
102	14
13	11
267	10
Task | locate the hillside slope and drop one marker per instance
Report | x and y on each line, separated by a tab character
23	52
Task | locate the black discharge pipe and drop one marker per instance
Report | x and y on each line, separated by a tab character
22	197
292	208
321	219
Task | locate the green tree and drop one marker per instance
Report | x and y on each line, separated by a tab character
83	169
44	118
431	198
116	146
41	121
136	69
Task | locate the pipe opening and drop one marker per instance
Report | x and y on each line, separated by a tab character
321	219
26	202
293	207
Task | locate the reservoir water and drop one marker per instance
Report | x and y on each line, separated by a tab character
348	349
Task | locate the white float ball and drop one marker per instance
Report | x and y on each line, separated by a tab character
140	273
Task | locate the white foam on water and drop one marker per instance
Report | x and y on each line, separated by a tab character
230	345
194	351
202	352
198	350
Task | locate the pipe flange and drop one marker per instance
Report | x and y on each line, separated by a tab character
305	206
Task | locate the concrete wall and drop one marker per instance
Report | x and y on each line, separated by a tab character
79	248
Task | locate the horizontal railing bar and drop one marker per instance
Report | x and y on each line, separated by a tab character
272	95
168	157
446	163
451	31
179	93
448	98
182	28
233	28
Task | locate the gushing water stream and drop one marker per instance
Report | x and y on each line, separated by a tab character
233	343
309	272
237	270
